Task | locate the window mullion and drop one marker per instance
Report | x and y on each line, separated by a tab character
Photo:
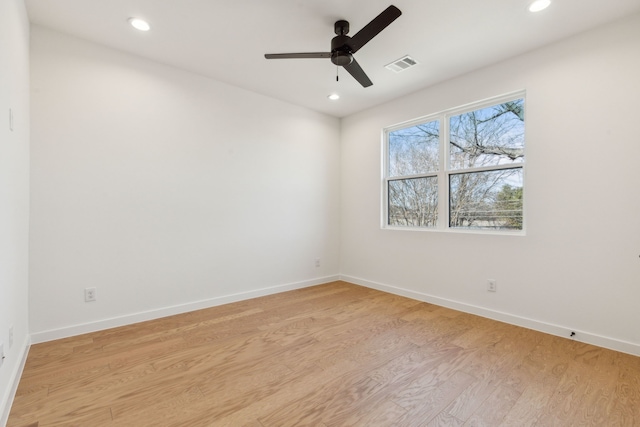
420	175
487	168
443	177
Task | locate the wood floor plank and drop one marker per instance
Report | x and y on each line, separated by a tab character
429	395
444	419
383	415
329	355
582	396
492	365
396	375
495	408
337	397
626	400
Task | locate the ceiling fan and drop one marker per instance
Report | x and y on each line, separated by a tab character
343	47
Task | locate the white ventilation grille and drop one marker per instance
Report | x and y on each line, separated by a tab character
401	64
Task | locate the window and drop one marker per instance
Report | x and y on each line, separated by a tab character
459	169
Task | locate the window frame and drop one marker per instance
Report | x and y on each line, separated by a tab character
444	171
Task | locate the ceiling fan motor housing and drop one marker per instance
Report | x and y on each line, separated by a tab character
340	49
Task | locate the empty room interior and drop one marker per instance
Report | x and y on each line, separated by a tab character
324	213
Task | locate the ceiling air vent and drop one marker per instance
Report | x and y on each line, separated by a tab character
401	64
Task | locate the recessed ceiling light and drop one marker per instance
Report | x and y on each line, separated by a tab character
539	5
139	24
334	97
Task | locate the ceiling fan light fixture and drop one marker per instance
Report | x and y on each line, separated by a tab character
139	24
538	5
334	97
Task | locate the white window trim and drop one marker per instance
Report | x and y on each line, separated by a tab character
444	172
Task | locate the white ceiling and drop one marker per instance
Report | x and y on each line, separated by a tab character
226	40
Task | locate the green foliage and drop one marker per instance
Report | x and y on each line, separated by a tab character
509	204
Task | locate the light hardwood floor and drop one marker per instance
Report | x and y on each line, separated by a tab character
330	355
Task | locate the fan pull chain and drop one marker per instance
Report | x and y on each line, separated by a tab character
337	68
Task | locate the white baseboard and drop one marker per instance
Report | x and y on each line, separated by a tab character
549	328
10	393
54	334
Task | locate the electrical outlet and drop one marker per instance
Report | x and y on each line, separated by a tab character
10	336
317	262
89	294
491	285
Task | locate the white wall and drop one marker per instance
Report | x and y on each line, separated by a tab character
14	193
167	191
578	267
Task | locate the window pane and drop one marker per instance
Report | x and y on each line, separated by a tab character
488	136
414	150
487	200
413	202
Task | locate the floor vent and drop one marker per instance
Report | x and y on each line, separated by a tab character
401	64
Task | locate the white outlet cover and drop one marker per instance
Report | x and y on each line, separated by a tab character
89	294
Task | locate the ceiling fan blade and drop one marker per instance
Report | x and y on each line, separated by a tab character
374	27
358	73
297	55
